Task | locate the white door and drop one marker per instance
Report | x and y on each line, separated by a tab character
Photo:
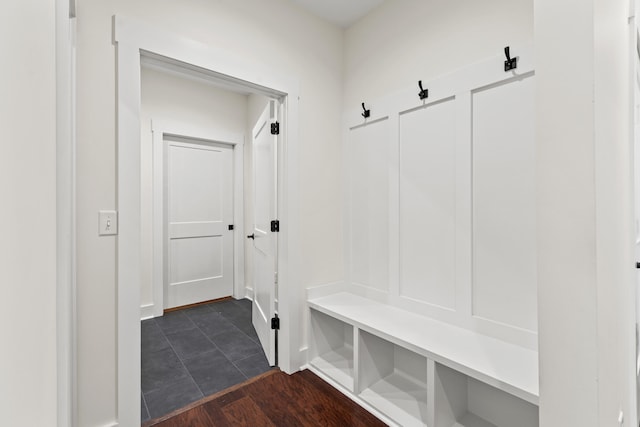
265	153
199	212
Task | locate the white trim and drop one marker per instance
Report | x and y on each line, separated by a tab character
129	239
65	215
304	351
147	311
133	39
238	221
158	263
161	130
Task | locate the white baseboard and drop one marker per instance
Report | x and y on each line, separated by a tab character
303	356
146	312
248	293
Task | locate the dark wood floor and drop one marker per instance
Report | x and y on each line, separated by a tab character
273	399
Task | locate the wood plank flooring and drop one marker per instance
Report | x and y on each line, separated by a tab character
273	399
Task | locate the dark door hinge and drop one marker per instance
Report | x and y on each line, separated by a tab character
230	227
275	128
275	226
275	323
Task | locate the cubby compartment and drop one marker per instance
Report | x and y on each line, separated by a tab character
331	351
462	401
392	379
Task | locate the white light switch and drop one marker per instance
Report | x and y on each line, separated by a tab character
108	223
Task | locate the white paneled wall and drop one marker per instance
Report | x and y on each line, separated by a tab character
441	200
368	192
504	203
427	204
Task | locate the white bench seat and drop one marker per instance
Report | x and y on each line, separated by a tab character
507	367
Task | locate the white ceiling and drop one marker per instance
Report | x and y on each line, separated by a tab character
339	12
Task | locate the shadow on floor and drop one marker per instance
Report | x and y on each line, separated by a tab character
196	352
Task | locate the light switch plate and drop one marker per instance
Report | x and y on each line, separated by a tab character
108	223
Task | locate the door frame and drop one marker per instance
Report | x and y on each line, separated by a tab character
66	224
133	40
161	130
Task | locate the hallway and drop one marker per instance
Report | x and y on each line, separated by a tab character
193	353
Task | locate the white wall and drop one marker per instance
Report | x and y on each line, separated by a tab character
585	265
171	99
298	45
28	215
404	41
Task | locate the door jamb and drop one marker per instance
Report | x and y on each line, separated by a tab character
162	130
132	40
66	340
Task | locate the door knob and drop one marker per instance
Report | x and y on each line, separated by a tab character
251	236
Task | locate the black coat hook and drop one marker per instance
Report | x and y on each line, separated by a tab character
510	63
366	112
424	93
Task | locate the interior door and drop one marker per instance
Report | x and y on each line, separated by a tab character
265	152
199	249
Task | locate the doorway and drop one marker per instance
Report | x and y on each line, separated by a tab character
135	41
192	190
193	158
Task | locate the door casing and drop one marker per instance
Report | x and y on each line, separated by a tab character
134	40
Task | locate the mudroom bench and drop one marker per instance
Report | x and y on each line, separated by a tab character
411	370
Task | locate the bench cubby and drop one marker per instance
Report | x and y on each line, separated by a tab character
461	401
411	370
332	352
392	379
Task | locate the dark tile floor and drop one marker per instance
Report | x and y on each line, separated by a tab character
196	352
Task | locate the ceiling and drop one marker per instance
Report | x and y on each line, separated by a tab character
340	12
